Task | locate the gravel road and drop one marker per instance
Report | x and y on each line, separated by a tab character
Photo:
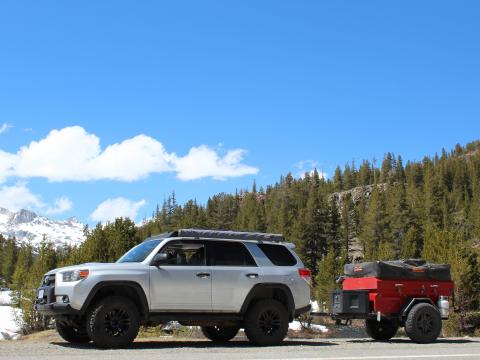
52	348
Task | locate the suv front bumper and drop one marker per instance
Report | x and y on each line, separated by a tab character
45	303
55	309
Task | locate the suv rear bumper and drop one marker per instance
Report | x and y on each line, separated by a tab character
55	309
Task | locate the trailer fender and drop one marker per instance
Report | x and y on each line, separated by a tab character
411	303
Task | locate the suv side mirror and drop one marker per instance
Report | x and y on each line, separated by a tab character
159	259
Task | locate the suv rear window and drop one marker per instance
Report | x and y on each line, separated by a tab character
223	253
278	254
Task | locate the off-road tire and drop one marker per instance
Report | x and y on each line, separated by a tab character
220	333
382	330
113	322
71	334
423	324
266	322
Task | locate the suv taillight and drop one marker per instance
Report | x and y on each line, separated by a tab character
305	274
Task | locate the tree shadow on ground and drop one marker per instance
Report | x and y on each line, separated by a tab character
160	344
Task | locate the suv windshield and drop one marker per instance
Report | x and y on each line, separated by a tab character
139	252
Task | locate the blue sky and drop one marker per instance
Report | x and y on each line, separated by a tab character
268	84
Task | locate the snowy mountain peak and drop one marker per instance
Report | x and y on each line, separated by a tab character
29	227
22	217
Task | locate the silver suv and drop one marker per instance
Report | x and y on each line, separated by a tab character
219	280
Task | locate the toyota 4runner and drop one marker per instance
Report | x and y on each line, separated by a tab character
219	280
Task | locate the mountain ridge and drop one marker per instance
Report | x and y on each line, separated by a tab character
29	227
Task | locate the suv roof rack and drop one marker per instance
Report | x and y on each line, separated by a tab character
221	234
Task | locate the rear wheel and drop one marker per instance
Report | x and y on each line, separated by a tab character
220	333
266	322
424	323
72	334
382	330
113	322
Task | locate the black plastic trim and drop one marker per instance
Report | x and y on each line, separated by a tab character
132	284
257	289
192	316
414	301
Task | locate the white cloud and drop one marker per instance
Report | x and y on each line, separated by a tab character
117	207
7	162
72	154
4	127
203	162
19	196
60	206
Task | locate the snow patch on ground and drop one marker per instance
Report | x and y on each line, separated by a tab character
297	326
5	298
9	327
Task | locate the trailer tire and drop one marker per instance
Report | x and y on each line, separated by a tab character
382	330
423	324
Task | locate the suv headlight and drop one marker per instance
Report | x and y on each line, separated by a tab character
74	275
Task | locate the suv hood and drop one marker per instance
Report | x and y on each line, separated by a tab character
96	266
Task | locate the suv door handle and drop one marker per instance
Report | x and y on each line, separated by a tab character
203	274
252	276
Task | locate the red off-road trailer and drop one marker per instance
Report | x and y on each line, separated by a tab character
392	294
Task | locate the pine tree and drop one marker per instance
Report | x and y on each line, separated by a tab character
398	216
314	236
365	176
338	179
9	258
386	174
45	260
333	225
374	226
330	268
469	298
22	268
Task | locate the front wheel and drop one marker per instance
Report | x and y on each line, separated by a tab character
113	322
220	333
71	334
266	322
424	323
382	330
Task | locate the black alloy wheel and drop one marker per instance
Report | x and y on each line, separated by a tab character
266	322
424	323
117	322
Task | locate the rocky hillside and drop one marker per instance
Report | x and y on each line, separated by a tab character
28	227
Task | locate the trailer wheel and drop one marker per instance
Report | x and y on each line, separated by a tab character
382	330
423	324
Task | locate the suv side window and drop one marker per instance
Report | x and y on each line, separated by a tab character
278	254
225	253
183	253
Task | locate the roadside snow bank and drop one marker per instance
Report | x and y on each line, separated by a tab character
5	298
9	328
297	326
315	307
